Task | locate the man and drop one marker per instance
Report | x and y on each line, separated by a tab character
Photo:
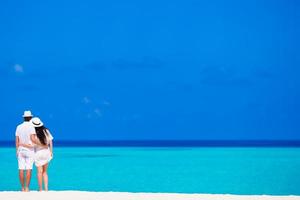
25	155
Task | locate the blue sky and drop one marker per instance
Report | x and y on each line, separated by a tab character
152	69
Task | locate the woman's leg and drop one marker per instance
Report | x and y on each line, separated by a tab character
40	177
45	176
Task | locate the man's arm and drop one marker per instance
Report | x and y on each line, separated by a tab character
26	145
17	144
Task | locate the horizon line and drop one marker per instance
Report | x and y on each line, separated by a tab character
168	143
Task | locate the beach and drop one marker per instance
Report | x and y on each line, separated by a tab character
80	195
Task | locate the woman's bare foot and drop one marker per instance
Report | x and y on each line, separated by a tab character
27	189
23	189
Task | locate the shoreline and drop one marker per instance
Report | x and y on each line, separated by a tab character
83	195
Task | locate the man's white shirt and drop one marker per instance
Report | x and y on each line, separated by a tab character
24	131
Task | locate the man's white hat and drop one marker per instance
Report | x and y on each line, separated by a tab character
36	122
27	113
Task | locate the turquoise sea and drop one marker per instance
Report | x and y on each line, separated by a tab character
250	170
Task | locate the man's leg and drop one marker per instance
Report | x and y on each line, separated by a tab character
29	163
22	167
28	178
21	177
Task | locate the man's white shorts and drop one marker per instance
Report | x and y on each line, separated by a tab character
25	159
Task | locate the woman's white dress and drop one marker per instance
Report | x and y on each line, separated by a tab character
42	154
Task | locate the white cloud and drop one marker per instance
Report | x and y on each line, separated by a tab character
86	100
89	116
18	68
97	111
106	103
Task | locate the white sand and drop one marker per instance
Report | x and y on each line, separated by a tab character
77	195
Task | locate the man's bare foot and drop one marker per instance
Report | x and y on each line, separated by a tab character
27	189
23	189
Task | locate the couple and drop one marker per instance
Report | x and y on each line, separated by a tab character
33	145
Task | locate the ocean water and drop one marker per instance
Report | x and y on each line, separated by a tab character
274	171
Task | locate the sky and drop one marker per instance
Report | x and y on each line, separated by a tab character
167	69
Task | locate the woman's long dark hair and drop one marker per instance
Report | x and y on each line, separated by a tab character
41	133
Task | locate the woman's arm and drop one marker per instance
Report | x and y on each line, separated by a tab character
51	147
35	140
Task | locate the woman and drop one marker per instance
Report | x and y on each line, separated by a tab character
43	151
